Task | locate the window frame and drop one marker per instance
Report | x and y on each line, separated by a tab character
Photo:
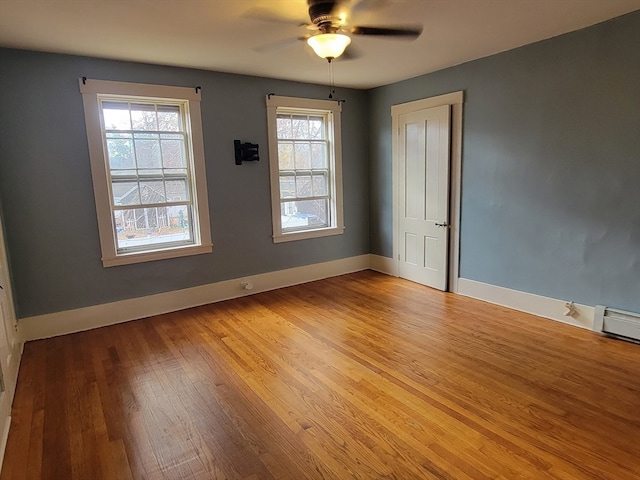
332	109
92	93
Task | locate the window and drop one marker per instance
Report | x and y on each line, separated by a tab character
147	164
305	157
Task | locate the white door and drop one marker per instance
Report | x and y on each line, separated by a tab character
5	359
9	348
423	224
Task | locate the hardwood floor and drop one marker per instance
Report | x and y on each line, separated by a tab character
361	376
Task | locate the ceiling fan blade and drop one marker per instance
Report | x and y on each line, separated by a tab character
406	32
275	46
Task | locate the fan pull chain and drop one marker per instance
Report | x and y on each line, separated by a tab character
332	89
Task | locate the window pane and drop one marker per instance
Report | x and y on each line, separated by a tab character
319	155
287	186
300	126
152	192
316	127
148	153
143	117
302	156
143	227
116	116
169	119
284	126
303	186
320	185
145	219
303	214
173	153
285	156
125	193
177	190
120	152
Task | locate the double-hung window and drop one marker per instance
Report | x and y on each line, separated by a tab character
305	156
147	163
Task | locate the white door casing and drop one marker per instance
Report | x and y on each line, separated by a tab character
423	251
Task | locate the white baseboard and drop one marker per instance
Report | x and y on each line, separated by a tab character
383	264
87	318
546	307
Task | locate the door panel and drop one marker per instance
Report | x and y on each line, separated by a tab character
411	248
431	253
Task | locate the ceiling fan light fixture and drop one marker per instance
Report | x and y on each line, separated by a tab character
329	45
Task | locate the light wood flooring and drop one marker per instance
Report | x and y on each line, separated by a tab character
361	376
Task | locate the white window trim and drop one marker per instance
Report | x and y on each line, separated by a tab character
90	90
337	227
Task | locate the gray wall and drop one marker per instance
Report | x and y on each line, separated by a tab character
47	195
551	165
550	187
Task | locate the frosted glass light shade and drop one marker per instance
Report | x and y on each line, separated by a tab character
329	45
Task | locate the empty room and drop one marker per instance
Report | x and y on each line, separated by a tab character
320	239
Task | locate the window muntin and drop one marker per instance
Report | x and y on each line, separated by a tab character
148	170
305	159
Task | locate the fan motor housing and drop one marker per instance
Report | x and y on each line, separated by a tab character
321	12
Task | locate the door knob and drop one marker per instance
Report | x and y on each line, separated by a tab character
443	224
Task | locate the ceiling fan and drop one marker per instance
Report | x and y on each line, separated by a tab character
329	21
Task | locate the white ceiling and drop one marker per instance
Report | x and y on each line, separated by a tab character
227	36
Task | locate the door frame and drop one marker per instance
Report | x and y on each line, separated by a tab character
455	100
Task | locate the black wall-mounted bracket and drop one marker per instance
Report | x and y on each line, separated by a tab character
246	152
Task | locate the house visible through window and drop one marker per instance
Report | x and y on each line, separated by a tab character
146	154
305	156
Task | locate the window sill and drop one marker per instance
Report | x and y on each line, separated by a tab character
139	257
306	234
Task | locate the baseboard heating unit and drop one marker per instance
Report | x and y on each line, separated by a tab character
618	323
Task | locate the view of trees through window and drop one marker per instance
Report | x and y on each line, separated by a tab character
303	161
149	173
